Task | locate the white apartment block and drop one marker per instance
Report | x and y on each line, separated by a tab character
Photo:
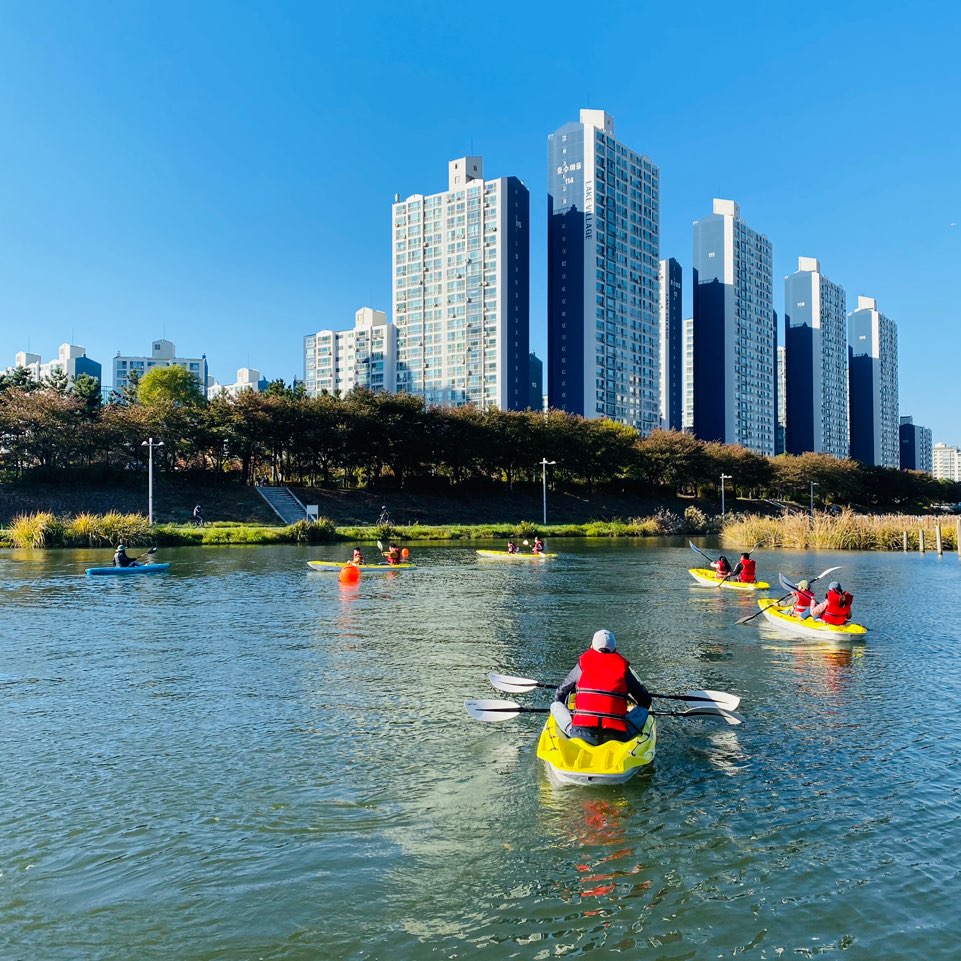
946	462
461	278
248	378
336	361
687	423
163	353
71	359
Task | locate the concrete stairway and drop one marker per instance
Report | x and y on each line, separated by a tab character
284	504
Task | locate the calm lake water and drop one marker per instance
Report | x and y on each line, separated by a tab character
243	759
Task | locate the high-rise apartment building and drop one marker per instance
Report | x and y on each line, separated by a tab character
536	401
71	360
671	345
163	353
946	462
780	439
603	236
735	381
915	442
461	290
873	385
687	415
339	360
815	333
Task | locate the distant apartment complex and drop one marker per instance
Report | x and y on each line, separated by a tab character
71	359
873	372
946	462
366	356
247	379
671	345
734	332
603	238
687	414
163	353
915	443
461	290
815	335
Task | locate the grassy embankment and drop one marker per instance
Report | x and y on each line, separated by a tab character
44	529
846	531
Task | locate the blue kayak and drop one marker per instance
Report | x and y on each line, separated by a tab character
138	569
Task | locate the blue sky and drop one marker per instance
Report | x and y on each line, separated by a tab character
222	173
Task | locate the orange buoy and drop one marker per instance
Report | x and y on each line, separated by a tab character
349	574
405	553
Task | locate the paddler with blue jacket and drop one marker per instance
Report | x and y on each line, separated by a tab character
602	682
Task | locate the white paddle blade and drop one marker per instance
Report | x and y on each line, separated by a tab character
511	684
728	716
830	570
481	709
722	699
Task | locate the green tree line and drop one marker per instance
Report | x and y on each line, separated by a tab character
380	440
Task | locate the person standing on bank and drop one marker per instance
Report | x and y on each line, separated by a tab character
602	683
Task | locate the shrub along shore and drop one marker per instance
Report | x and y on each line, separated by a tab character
844	531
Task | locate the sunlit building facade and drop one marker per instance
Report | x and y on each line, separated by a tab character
461	290
336	361
671	344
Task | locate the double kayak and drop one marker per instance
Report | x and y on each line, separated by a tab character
709	578
133	569
570	760
782	619
517	556
337	566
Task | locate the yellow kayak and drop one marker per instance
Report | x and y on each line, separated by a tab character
572	761
514	557
707	577
337	566
782	618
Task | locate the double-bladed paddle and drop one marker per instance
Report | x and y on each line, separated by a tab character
491	711
521	685
153	550
790	588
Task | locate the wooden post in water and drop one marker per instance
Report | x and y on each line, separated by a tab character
904	540
937	537
921	540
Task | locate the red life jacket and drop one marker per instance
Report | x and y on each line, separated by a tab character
747	571
601	696
838	610
802	601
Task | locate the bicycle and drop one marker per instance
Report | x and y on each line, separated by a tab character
385	519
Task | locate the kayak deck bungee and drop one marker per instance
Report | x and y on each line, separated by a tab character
781	618
518	556
707	577
573	761
133	569
336	567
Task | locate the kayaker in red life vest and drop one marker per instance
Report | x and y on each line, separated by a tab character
358	558
836	606
722	565
602	682
538	547
744	570
393	554
511	547
803	599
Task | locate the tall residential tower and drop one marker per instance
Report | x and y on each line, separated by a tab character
671	338
336	361
735	336
602	275
461	290
873	373
815	334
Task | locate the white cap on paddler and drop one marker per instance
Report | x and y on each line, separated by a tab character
603	641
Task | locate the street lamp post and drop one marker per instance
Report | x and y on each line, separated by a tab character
150	444
724	477
813	485
544	463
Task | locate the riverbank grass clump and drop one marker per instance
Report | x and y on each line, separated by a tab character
845	531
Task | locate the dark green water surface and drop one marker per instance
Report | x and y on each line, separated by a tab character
242	759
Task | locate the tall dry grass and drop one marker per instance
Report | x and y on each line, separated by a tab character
846	531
